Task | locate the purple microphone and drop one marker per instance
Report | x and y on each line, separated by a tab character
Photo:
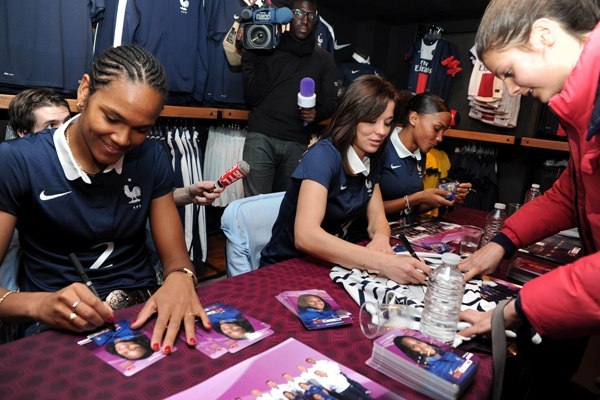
307	97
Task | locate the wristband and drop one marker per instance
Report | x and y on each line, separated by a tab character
186	271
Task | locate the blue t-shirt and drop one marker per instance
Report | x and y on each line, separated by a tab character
102	222
400	176
347	199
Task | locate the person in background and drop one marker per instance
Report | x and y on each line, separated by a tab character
425	119
336	181
34	110
278	130
550	49
88	188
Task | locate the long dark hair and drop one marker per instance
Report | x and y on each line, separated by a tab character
365	99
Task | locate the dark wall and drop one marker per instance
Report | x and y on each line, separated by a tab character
386	43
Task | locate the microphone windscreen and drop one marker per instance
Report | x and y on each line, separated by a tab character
307	87
238	171
283	15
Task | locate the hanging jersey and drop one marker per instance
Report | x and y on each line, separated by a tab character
46	44
430	71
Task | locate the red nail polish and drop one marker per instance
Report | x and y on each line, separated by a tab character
192	341
155	346
111	319
209	325
168	350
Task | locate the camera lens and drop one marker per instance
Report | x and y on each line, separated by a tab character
259	36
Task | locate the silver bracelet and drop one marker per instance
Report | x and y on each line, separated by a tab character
407	209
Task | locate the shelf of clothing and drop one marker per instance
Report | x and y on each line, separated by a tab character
242	115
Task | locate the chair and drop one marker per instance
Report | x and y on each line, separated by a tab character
247	224
10	265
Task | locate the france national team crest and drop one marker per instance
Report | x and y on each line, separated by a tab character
369	186
133	193
184	5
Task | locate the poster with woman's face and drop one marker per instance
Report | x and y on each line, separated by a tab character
315	308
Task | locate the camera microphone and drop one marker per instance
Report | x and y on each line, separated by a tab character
283	15
238	171
307	97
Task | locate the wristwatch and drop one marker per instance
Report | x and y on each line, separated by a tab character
188	272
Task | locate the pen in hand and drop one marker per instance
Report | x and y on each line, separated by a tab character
86	280
408	247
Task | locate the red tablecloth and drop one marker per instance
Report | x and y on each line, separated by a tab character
52	365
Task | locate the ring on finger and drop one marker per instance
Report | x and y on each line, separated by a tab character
74	306
190	314
72	316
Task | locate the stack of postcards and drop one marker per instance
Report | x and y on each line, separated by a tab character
424	364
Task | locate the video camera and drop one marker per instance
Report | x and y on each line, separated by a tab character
262	26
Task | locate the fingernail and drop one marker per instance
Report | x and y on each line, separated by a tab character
168	350
155	346
192	341
111	319
209	325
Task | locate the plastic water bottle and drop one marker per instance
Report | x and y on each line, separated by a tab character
445	291
493	223
532	193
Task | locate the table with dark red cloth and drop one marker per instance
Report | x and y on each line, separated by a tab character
52	365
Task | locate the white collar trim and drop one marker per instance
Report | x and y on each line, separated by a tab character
402	151
358	166
67	161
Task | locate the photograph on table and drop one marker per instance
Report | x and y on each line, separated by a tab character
315	308
125	349
291	370
427	365
231	329
432	235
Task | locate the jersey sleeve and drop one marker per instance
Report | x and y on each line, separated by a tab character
13	178
319	164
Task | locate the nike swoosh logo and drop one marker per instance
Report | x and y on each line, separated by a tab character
337	46
46	197
395	166
343	187
355	71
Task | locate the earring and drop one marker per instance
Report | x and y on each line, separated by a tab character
79	106
412	123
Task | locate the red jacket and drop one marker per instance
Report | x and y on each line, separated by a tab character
566	302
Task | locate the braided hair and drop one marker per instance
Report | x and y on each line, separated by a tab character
130	62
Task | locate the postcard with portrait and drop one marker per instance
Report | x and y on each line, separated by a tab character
231	329
315	308
127	350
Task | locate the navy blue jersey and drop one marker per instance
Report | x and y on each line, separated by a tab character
45	44
102	222
352	70
347	199
324	35
169	30
427	74
401	173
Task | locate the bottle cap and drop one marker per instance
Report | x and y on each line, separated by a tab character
535	186
451	259
500	206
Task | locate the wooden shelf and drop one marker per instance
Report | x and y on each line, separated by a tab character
227	113
480	136
544	144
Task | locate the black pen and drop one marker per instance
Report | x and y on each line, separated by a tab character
86	280
408	247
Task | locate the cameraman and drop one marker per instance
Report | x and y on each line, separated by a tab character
277	136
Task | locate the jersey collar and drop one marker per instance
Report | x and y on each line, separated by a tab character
358	166
69	166
402	151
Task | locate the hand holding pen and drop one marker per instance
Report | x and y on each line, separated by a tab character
86	280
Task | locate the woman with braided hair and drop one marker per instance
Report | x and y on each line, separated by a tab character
87	189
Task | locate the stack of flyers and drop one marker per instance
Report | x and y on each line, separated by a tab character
127	350
315	308
231	331
424	364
